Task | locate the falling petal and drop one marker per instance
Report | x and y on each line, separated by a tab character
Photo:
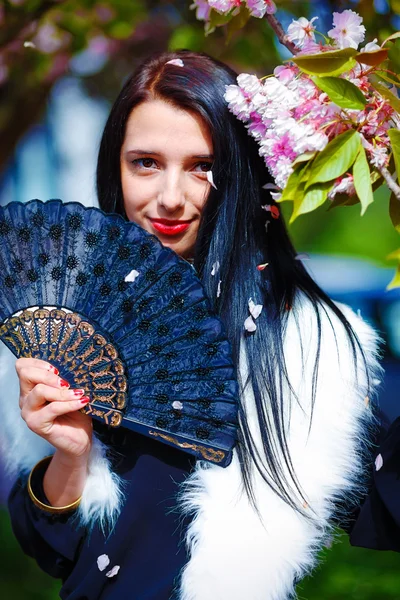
130	278
366	401
249	325
266	207
219	289
215	268
255	309
379	462
177	405
276	196
270	186
113	571
210	179
262	267
102	562
275	214
305	504
302	256
29	45
175	61
266	225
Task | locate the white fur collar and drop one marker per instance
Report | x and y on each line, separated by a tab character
233	554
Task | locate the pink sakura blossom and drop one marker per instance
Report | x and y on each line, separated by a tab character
301	31
285	74
288	115
202	8
259	8
223	6
344	185
238	103
347	31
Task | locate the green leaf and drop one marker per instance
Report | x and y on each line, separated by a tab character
394	212
394	36
394	136
238	22
342	92
291	189
394	255
393	55
336	158
216	20
304	158
388	95
327	63
383	75
362	180
314	197
343	200
373	58
395	283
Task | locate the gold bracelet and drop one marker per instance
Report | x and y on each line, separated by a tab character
47	507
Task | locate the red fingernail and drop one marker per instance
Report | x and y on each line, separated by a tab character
64	383
55	371
85	400
78	392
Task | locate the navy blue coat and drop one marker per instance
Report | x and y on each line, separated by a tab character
378	522
146	542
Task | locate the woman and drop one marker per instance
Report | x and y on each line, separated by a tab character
175	161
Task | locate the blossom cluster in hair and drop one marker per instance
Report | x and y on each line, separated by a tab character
290	116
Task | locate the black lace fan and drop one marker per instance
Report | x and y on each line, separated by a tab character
121	316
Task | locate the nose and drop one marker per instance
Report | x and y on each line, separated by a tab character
171	196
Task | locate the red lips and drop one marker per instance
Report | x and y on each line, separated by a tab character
170	226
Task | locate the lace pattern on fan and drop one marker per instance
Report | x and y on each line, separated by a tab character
122	317
70	342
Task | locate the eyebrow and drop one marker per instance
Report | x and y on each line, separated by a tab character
151	153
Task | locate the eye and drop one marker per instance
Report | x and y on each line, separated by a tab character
203	167
144	163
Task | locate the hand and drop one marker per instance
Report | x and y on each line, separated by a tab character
51	409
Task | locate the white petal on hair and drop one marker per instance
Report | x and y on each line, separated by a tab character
215	268
210	179
102	562
378	462
177	405
219	289
130	278
255	309
249	325
270	186
302	256
113	571
29	45
175	61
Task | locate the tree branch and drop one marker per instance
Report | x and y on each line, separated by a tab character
390	182
280	33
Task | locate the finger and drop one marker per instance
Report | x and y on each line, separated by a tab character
29	377
56	409
42	394
35	362
41	420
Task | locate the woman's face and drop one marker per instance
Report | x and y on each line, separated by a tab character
165	157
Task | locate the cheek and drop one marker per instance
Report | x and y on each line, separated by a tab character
135	194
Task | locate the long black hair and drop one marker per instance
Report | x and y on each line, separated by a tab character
233	232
